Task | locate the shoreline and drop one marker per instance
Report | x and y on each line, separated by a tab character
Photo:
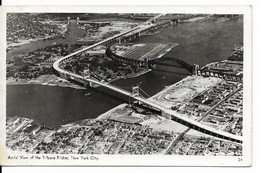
22	42
171	95
167	88
44	84
68	84
142	72
52	80
194	19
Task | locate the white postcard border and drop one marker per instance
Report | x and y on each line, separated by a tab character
134	160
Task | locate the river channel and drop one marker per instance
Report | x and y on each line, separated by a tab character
74	34
199	42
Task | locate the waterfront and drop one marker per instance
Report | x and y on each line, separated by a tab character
65	105
200	114
201	42
74	34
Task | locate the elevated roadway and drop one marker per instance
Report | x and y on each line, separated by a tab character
174	116
103	42
154	18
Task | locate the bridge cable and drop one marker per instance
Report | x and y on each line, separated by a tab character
144	92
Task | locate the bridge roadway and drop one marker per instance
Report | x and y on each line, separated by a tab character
136	29
174	116
155	17
110	39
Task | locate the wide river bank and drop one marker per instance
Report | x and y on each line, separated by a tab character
199	42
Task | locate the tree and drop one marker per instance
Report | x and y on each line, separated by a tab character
23	68
68	68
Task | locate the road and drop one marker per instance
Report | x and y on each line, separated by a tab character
174	115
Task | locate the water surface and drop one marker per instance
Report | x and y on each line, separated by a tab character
200	43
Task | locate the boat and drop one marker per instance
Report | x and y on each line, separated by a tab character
87	94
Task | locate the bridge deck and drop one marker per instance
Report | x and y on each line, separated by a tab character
185	121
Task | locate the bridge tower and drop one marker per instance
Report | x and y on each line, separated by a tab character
86	74
146	62
195	69
135	91
119	41
77	20
68	20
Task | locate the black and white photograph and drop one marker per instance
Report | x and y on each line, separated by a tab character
85	86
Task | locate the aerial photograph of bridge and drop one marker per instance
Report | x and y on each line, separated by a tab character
124	83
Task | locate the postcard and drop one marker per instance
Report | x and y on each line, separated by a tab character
126	85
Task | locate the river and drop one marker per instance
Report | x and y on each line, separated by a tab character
74	34
200	42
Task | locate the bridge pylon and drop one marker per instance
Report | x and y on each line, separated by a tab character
146	63
77	20
135	91
68	20
86	74
195	69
